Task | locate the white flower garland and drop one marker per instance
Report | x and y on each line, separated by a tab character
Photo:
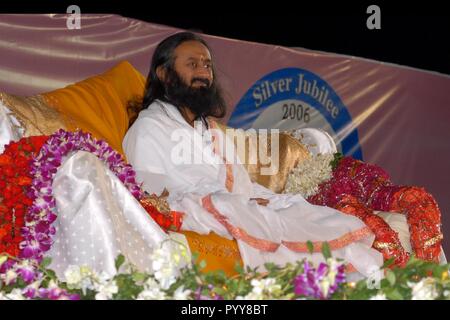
306	177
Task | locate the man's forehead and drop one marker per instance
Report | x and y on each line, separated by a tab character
192	50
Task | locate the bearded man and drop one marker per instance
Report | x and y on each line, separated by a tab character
215	194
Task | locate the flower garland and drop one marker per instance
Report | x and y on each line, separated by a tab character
306	178
358	188
418	280
15	180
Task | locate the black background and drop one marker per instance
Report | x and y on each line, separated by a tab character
415	34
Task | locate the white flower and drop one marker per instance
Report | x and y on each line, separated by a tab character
447	294
15	294
306	177
258	286
253	296
86	271
181	256
181	294
425	289
152	291
80	278
10	276
265	288
151	294
106	291
325	286
151	283
103	277
164	267
378	296
333	265
73	276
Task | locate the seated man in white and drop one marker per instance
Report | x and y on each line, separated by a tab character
216	195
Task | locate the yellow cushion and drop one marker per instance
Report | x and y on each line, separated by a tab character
219	253
99	104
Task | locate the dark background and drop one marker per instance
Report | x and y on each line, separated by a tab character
413	33
421	41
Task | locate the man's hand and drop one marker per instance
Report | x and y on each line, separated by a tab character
261	201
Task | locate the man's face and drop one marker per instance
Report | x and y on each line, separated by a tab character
193	64
189	82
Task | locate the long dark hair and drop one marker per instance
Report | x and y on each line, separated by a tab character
164	56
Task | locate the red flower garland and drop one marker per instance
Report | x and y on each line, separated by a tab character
358	188
14	185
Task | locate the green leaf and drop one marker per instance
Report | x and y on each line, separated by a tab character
238	267
310	246
388	263
119	261
51	274
127	288
139	277
393	294
337	158
390	276
46	262
194	257
326	250
3	259
202	264
219	291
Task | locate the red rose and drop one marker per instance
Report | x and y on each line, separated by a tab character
5	160
26	147
3	233
24	181
8	172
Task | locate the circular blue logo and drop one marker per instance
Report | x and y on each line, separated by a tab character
294	98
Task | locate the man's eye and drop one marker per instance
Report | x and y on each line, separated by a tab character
193	65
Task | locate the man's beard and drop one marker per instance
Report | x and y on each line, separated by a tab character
202	101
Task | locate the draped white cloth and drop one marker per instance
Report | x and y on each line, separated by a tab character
98	218
160	137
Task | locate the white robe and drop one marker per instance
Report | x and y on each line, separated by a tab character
151	145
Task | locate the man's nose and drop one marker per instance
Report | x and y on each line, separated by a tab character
204	72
